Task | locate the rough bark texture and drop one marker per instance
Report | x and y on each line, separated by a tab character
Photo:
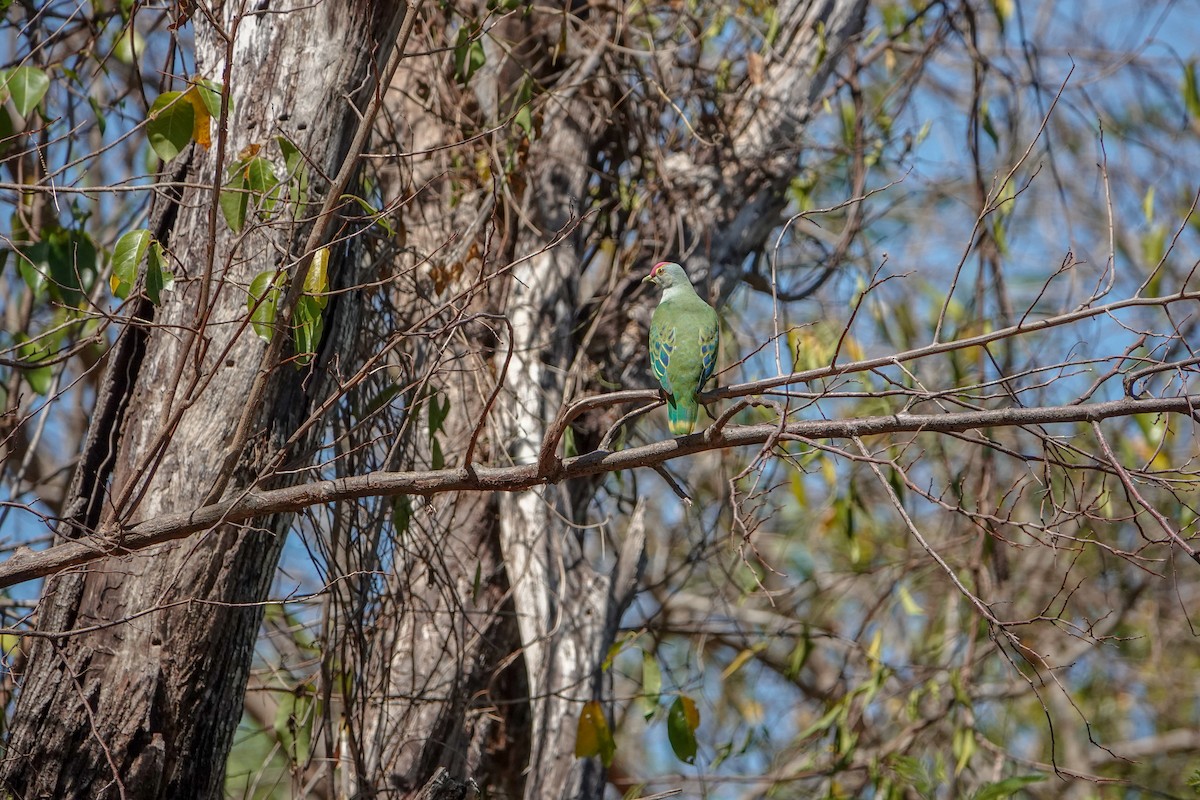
441	659
745	199
461	228
143	702
567	609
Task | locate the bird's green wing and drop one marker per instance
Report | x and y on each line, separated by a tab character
662	345
710	339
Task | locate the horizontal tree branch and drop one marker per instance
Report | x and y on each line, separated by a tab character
27	564
555	431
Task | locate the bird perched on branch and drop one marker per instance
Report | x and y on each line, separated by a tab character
683	344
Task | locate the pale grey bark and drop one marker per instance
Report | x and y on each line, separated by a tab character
568	612
566	609
743	201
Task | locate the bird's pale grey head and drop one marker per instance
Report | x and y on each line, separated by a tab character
667	274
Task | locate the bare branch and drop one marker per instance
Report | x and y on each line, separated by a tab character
26	565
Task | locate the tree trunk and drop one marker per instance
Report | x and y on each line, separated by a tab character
567	602
136	679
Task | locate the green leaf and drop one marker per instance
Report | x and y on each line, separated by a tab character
523	120
260	178
682	721
210	95
651	684
1191	94
307	321
593	736
477	582
436	459
7	129
158	280
401	513
170	124
297	179
265	292
101	117
1193	781
70	261
1154	245
1006	788
316	281
293	724
292	159
962	745
129	46
234	201
38	378
296	195
911	773
127	256
911	606
252	178
33	264
820	726
307	326
377	216
989	127
437	414
27	86
616	648
1003	10
799	656
468	55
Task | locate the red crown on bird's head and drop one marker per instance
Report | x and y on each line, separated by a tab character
658	267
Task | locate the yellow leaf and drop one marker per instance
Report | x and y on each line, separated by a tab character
200	120
751	710
316	282
737	663
249	151
9	643
483	167
911	606
876	646
593	736
798	491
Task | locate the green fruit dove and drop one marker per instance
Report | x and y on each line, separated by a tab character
683	344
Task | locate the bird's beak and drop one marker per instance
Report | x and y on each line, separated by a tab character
649	279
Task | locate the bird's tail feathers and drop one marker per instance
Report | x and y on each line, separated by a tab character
681	417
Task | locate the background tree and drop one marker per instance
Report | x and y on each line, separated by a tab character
931	545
